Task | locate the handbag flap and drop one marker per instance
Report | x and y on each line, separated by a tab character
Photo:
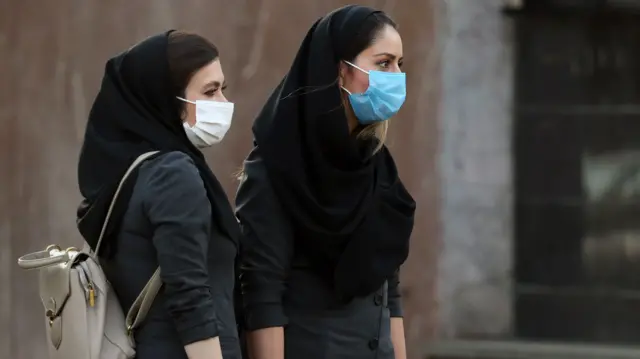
55	284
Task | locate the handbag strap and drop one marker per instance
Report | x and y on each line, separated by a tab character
138	161
140	307
41	259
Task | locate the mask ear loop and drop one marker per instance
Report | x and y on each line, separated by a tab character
355	67
185	100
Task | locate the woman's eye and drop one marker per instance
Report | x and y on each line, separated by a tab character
384	64
213	92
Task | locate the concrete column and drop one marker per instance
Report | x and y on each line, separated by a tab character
474	281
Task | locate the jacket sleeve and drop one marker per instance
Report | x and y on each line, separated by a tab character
267	247
177	207
395	298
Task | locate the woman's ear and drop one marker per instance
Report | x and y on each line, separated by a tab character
342	71
183	113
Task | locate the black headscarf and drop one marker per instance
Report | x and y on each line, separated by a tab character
350	210
135	112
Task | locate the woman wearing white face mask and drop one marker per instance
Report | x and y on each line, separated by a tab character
164	94
211	121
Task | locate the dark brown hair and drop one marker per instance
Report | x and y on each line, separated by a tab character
367	34
187	53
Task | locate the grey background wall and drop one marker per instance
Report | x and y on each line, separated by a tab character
475	168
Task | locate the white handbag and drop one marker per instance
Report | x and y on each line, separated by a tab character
82	314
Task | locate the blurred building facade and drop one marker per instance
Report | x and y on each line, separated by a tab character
519	142
540	175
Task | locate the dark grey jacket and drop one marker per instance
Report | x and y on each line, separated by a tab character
281	288
168	223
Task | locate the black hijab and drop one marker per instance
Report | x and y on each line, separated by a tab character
350	210
135	112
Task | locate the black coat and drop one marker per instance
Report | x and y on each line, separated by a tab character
282	288
168	223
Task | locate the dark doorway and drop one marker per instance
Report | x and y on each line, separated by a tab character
577	168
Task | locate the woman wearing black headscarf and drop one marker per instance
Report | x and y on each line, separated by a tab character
164	94
326	221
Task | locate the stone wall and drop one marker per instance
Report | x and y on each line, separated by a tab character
474	282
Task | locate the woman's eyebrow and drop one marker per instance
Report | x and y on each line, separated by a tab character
215	83
392	56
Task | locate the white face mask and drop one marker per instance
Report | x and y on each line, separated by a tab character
213	120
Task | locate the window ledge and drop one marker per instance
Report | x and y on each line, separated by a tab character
482	349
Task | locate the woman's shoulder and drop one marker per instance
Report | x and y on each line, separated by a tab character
255	195
174	162
254	177
254	164
169	169
173	159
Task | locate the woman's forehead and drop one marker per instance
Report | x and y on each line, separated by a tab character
388	41
209	75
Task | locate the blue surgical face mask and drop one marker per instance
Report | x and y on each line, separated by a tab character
382	100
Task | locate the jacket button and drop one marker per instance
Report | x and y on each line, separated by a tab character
377	299
373	344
